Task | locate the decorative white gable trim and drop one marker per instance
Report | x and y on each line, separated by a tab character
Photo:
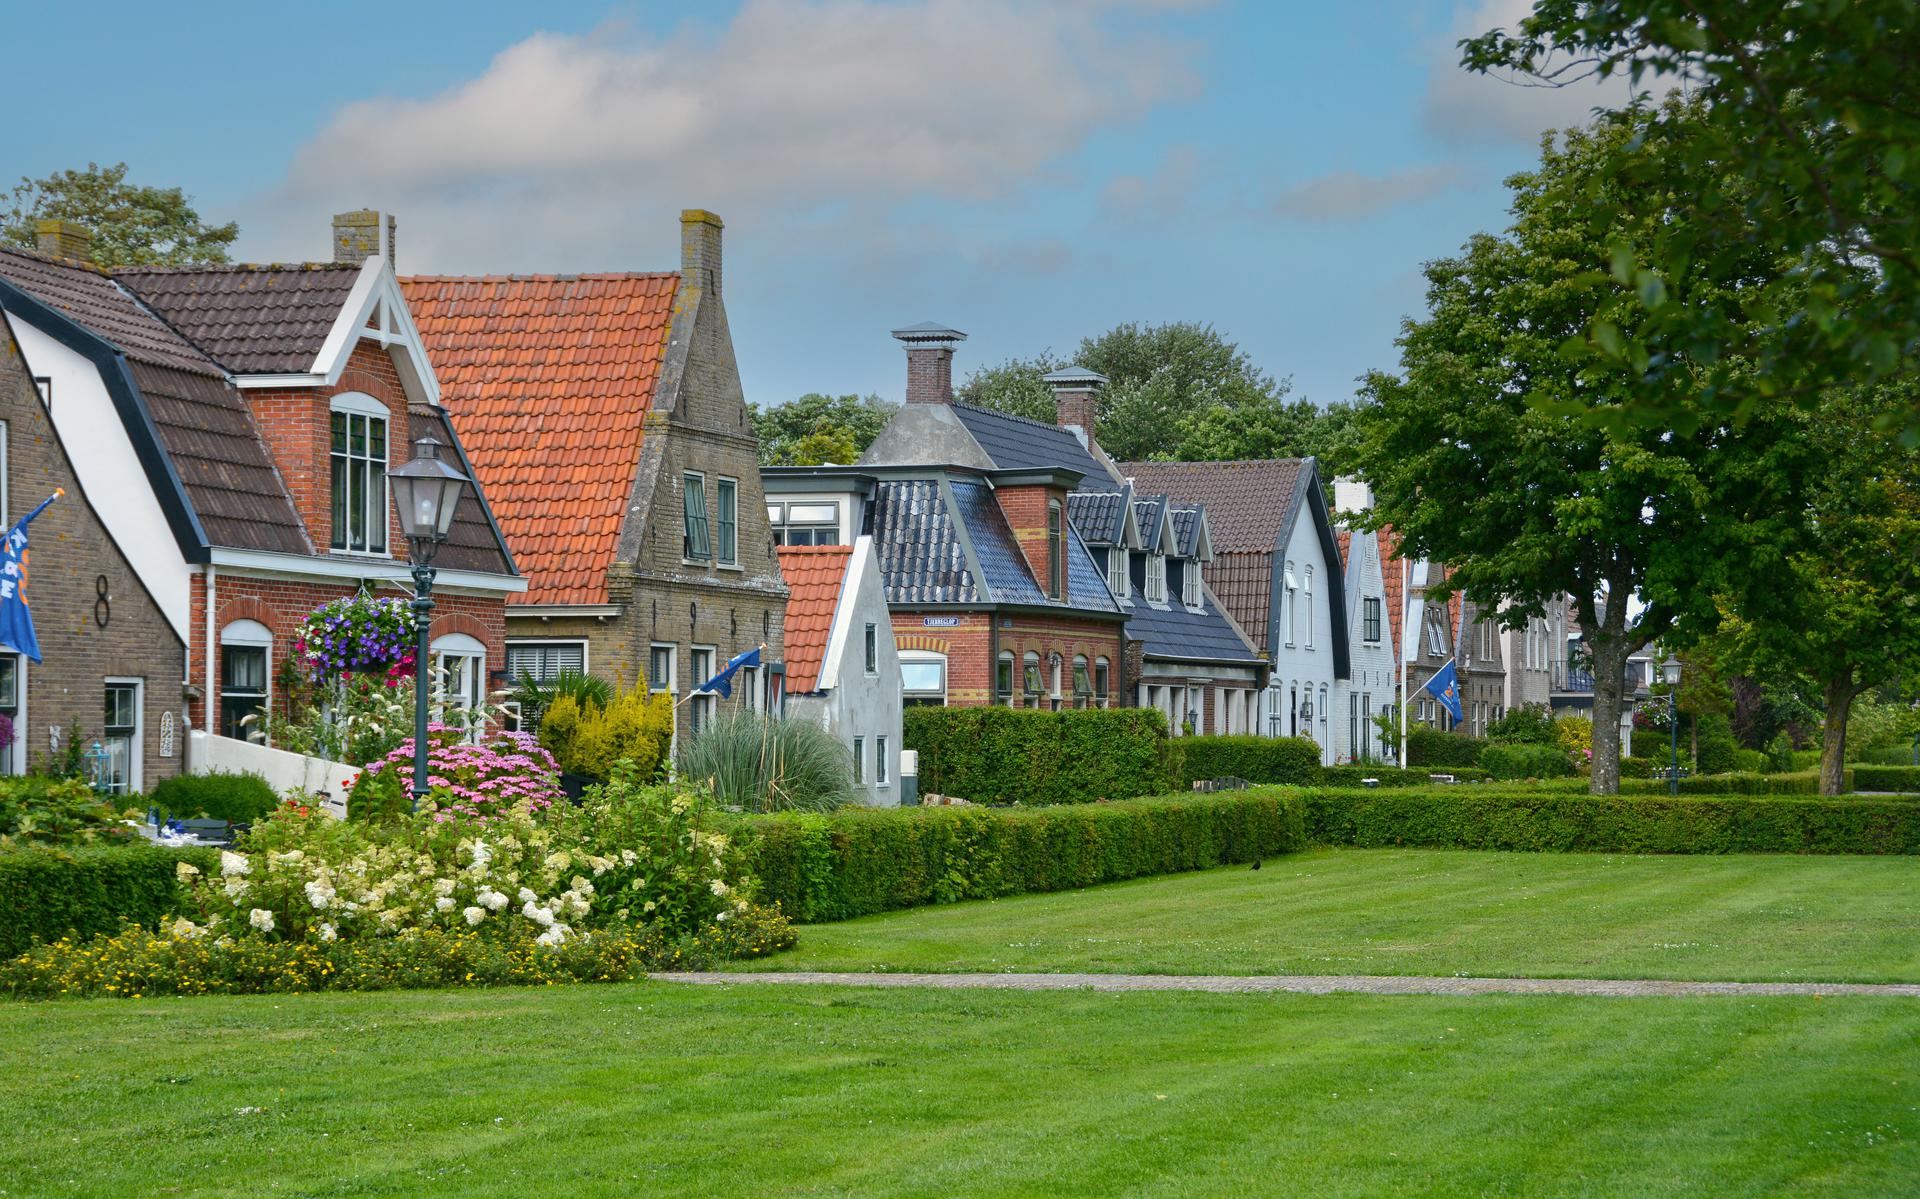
375	310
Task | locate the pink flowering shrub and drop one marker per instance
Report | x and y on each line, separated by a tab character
506	771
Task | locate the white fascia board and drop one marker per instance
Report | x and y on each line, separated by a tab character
840	633
549	611
285	382
376	286
347	570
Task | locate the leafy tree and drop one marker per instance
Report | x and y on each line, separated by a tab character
131	225
1806	144
1475	461
1015	387
817	429
1846	604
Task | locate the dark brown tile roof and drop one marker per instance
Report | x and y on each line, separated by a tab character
252	319
471	543
1248	502
209	433
1243	583
90	297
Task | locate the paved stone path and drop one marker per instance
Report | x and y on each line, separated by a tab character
1311	984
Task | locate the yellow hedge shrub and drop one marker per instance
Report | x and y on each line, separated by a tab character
587	739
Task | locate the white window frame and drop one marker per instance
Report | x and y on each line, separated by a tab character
1102	681
244	634
882	777
726	524
704	705
1309	593
136	746
780	514
1291	615
692	481
1011	664
1156	578
860	760
672	685
513	678
352	404
872	650
918	657
1190	583
1120	574
472	654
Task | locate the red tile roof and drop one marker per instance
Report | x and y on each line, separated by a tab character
814	574
550	378
1390	575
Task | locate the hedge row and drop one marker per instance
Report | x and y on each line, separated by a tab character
1537	821
1293	760
1393	776
46	893
858	861
1523	761
1885	778
1805	782
1433	747
1003	755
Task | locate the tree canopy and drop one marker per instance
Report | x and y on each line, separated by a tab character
817	429
132	225
1476	460
1805	144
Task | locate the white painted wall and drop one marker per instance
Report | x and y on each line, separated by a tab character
1375	668
855	703
108	471
284	771
1301	666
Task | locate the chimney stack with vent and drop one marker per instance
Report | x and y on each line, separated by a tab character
1076	392
929	361
700	249
64	239
358	236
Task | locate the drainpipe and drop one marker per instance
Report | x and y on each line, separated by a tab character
211	695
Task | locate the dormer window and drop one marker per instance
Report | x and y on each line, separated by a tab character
1190	583
1156	578
1056	553
358	458
1118	570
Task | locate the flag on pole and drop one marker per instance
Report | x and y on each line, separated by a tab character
1445	687
16	622
723	682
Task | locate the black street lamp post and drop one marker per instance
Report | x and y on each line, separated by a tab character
427	492
1670	675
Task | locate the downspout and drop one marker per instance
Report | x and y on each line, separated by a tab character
210	694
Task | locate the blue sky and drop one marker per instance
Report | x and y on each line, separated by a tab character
1030	173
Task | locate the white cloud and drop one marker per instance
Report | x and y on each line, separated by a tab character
552	155
1352	196
1461	106
1156	196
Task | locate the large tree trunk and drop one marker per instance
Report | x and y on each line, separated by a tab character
1609	687
1833	738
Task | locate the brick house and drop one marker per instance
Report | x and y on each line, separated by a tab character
238	425
605	414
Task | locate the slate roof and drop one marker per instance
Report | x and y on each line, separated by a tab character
1147	512
472	543
920	556
1018	443
1248	503
1098	515
1178	632
255	320
204	425
552	377
1186	531
815	575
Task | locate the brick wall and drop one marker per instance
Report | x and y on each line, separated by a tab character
973	646
94	617
1026	511
282	604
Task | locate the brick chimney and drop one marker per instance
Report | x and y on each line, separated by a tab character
929	361
63	239
1076	403
700	248
358	236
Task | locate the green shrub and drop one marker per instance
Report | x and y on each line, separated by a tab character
765	765
1523	760
1890	755
1293	760
1798	783
587	739
1393	776
1529	724
1751	761
136	962
42	810
1885	778
1637	768
46	894
240	798
1008	755
1540	820
1431	747
863	860
1717	749
1780	753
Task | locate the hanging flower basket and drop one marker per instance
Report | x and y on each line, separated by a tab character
360	635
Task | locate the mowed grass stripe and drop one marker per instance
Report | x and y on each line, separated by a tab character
1750	918
655	1089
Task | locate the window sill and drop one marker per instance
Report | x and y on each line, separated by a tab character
734	566
363	555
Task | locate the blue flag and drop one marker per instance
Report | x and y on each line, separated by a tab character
1445	687
723	682
16	623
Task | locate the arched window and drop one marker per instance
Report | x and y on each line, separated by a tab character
1102	682
923	677
1054	666
358	457
1082	682
459	678
246	653
1003	679
1030	680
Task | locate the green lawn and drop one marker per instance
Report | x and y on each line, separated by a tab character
656	1089
1383	911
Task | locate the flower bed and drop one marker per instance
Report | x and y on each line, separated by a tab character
470	780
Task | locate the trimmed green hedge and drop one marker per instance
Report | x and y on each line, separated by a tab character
863	860
1806	782
1294	760
238	798
1393	776
1007	755
1543	821
48	893
1885	778
1520	760
1431	747
1885	755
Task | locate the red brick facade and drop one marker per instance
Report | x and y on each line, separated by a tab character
973	646
282	604
1026	512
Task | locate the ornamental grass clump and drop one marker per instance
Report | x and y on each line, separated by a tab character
759	764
